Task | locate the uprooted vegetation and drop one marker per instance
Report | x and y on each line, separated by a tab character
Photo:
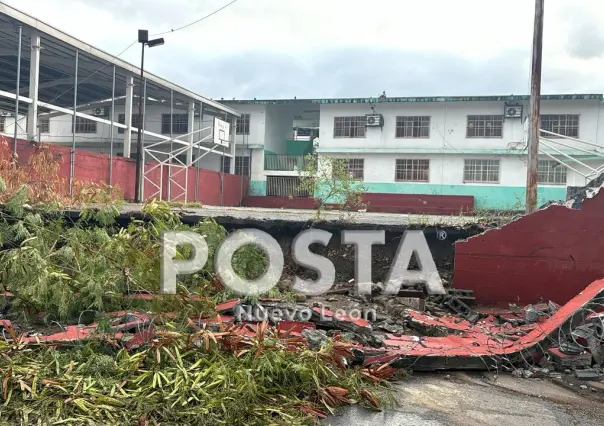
196	379
56	272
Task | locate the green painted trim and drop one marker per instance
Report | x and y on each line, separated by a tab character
257	187
255	146
268	152
487	197
437	151
293	147
512	98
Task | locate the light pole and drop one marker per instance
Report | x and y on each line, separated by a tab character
143	39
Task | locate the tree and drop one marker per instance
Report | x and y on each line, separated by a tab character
330	182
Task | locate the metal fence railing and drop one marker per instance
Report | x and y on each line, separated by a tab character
285	186
281	162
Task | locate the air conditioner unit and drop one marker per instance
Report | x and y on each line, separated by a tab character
374	120
101	112
513	111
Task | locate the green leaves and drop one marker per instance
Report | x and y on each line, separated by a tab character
173	384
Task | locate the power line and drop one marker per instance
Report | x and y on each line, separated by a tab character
195	22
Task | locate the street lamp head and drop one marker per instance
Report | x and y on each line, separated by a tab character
143	36
155	42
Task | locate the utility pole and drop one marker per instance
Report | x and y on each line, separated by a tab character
532	165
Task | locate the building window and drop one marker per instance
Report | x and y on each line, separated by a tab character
2	123
412	171
225	165
44	125
353	166
242	165
243	124
84	125
485	126
481	171
121	119
563	124
349	127
413	127
180	124
551	172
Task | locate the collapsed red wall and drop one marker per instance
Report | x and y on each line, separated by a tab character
94	167
383	203
552	254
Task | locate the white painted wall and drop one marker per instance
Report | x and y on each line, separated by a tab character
257	124
9	127
448	124
448	169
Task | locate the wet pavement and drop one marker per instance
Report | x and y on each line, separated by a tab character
476	399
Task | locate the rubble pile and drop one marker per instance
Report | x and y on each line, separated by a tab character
436	333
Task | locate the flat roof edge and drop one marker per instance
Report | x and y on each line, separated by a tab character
416	99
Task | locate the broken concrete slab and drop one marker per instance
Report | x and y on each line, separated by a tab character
587	374
564	361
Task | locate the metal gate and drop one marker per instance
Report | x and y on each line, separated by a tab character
285	186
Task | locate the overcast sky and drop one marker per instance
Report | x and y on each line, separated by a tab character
346	48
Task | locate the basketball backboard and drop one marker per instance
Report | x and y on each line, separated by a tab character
222	131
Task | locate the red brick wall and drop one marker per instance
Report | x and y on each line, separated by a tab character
94	167
552	254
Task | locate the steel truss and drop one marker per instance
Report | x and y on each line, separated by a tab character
174	170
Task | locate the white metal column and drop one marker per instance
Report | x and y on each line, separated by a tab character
128	116
233	148
190	127
34	73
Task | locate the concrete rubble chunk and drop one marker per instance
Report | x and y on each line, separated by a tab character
564	361
315	338
587	374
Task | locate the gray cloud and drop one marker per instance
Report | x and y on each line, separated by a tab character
585	38
349	73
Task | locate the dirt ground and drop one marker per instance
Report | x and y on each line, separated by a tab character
476	399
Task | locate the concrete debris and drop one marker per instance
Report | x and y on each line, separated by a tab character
534	313
460	308
571	348
526	374
588	191
450	336
315	338
588	374
564	361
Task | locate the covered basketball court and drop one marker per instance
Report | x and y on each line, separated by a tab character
45	73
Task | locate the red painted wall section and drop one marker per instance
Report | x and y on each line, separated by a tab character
552	254
94	167
419	203
383	203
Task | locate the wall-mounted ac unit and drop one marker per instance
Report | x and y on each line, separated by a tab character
374	120
101	112
513	111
